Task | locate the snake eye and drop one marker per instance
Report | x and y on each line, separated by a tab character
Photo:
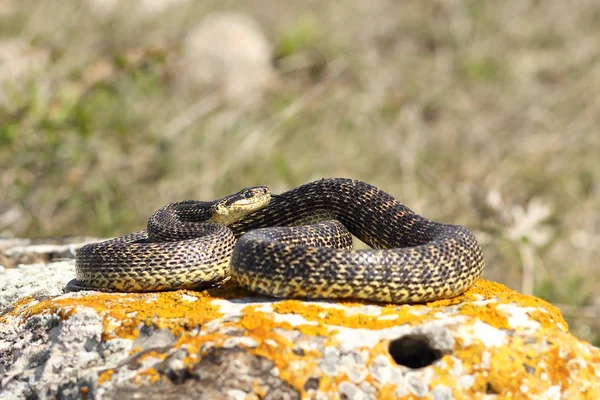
247	195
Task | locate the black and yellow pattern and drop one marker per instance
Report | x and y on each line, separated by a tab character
413	259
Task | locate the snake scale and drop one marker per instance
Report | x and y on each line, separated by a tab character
293	245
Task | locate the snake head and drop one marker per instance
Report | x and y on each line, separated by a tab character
236	206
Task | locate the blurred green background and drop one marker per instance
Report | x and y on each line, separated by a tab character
481	113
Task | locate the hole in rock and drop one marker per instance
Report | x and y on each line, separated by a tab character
414	351
312	383
489	389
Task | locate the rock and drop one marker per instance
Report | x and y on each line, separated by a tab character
37	280
26	251
26	267
228	343
227	52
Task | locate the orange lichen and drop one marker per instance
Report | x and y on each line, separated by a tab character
387	392
17	308
504	369
258	389
150	374
105	376
487	313
84	391
546	314
122	314
520	364
507	372
28	306
315	330
338	317
559	356
293	368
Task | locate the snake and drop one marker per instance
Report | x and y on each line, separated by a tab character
297	244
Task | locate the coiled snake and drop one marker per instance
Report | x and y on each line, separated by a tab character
269	248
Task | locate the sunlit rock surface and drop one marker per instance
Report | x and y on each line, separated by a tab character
489	343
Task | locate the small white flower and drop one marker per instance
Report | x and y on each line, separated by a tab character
528	223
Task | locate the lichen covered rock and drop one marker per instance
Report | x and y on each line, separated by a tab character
228	343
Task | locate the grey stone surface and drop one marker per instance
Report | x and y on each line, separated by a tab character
50	356
36	268
59	345
15	252
38	280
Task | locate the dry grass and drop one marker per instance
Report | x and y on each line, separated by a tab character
474	112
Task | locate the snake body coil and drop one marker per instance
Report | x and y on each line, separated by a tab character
413	259
187	245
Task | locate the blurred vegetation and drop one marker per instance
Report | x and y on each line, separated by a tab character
474	112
